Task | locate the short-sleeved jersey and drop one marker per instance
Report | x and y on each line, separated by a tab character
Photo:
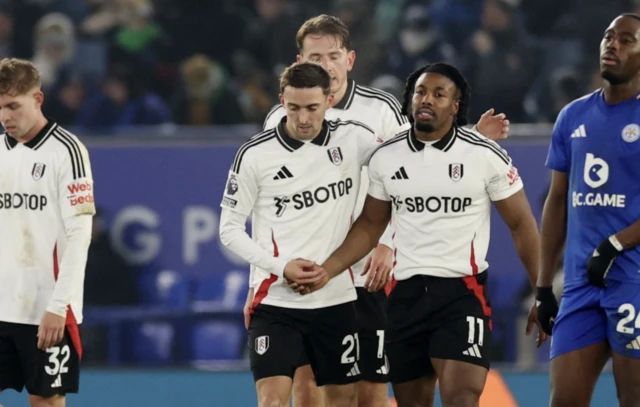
379	110
598	146
301	196
42	182
441	196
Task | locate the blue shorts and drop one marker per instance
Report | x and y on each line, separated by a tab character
590	315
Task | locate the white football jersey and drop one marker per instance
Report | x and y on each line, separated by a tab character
301	196
42	183
380	111
441	196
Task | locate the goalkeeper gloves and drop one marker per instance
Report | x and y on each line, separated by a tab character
601	260
547	308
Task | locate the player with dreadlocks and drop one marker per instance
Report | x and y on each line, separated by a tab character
462	96
438	180
325	40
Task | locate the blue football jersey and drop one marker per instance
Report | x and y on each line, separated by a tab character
598	145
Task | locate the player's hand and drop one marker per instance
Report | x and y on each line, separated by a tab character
378	268
494	127
315	287
51	330
299	288
303	272
547	307
247	308
532	319
307	289
600	262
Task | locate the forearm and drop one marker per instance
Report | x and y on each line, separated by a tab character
553	235
70	278
234	237
362	238
250	296
387	237
630	236
527	242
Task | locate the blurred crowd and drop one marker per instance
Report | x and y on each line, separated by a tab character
113	63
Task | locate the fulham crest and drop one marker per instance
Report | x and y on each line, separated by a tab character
262	344
335	155
38	170
456	171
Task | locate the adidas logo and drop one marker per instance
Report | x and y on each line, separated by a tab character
284	173
57	383
473	351
635	344
400	174
579	132
354	371
384	370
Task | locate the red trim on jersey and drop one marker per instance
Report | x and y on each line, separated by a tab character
263	290
276	253
71	322
392	284
395	251
478	291
472	259
389	287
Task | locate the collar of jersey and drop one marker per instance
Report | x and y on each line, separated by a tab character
444	144
292	144
346	100
35	142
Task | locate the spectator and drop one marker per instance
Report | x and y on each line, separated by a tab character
141	43
6	32
26	14
205	96
123	100
365	40
136	39
65	101
54	48
99	23
565	86
269	35
416	44
76	10
258	93
102	18
457	20
500	64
